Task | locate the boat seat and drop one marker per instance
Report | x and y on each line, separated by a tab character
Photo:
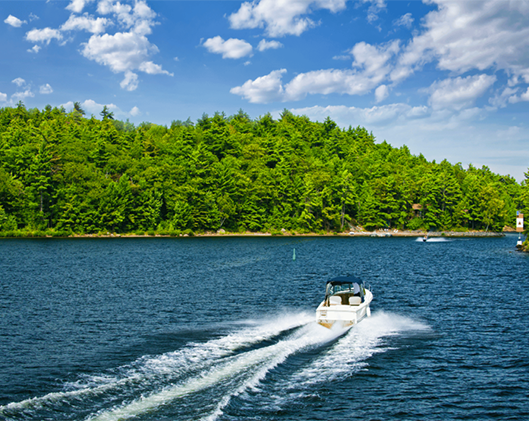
355	301
335	300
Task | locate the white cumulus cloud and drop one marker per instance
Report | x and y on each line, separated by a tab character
327	82
458	93
281	17
123	51
374	9
3	97
77	6
508	95
20	96
135	111
372	65
26	91
126	51
268	45
270	88
458	37
264	89
86	23
139	18
405	20
153	69
232	48
18	81
130	82
513	99
525	95
466	35
381	93
374	60
35	49
43	35
45	89
14	21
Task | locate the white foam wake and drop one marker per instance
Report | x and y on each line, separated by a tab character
197	356
229	366
345	357
350	353
434	240
247	369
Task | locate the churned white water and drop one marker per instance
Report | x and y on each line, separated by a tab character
240	372
226	367
346	356
236	374
219	364
433	240
195	356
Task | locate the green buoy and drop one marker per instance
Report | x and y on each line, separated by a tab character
294	255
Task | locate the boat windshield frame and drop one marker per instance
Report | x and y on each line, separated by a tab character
337	288
343	284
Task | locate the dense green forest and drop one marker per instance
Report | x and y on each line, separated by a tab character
63	173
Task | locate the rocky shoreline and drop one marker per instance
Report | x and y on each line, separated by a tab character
377	233
357	232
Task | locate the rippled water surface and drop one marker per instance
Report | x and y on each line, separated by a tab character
223	329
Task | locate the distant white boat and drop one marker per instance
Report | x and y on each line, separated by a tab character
346	303
427	239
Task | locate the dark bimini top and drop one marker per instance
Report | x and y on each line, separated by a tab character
340	280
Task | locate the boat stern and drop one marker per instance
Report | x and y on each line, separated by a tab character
340	316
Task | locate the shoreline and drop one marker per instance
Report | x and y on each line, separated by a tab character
284	233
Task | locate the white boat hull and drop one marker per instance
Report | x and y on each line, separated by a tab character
343	316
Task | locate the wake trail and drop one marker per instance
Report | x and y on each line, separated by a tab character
211	374
238	372
434	240
146	370
348	355
352	350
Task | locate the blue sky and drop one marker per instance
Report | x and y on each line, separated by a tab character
449	79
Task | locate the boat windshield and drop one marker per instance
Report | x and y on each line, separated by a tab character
340	287
337	288
344	285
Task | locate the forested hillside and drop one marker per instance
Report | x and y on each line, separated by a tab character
63	173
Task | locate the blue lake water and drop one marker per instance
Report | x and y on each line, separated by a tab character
223	329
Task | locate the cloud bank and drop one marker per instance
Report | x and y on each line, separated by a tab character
127	50
279	17
469	41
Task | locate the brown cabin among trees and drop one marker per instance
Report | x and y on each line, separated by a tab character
417	210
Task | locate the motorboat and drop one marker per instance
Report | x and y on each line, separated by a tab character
346	303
